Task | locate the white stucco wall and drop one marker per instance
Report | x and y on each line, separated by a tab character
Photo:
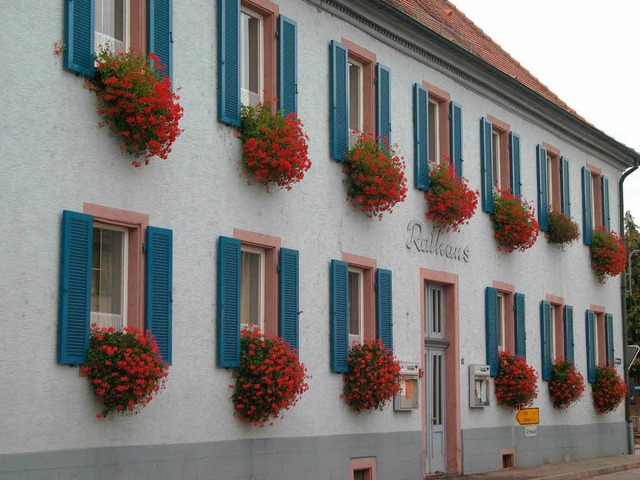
54	157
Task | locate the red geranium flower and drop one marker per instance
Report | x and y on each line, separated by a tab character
516	383
451	202
514	223
566	385
608	390
608	254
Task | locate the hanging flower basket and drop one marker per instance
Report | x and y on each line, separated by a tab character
566	385
125	369
517	382
269	380
374	176
608	391
608	254
514	223
373	378
451	203
137	104
274	146
562	230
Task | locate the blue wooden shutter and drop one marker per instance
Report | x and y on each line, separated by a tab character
568	333
383	102
587	207
229	258
486	158
339	101
545	336
160	30
608	329
339	316
385	307
75	287
514	150
421	136
606	214
229	62
288	68
456	137
564	181
521	334
543	188
79	36
491	326
590	318
289	286
159	287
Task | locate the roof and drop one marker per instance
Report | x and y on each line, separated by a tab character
444	18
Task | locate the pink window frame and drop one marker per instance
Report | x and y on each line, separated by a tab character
368	61
508	291
365	463
596	179
136	225
444	134
557	304
556	182
271	246
269	12
368	267
601	353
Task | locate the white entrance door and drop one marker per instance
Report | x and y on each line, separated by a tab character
435	396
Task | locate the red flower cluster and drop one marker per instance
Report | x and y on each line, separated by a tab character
137	103
270	378
514	223
562	230
274	146
59	48
125	369
374	176
566	385
451	202
516	383
608	390
608	254
373	378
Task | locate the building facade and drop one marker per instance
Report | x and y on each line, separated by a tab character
407	60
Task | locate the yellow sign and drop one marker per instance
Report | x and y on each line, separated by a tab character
528	416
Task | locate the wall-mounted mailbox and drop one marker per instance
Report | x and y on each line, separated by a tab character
479	385
409	397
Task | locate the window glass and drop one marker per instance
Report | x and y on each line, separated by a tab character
496	160
501	322
355	305
434	129
252	287
355	99
112	24
108	277
435	311
552	331
550	182
251	45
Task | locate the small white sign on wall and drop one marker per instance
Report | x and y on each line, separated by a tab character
531	431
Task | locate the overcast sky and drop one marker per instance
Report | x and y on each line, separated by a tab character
581	50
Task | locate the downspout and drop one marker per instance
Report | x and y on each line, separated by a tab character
623	295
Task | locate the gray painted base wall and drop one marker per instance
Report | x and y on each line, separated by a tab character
399	457
554	443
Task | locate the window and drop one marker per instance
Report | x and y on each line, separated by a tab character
360	96
112	25
361	307
257	57
553	183
363	468
437	123
106	278
258	283
600	350
109	276
595	202
500	158
436	314
505	323
556	332
122	24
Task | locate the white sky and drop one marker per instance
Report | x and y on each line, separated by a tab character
585	51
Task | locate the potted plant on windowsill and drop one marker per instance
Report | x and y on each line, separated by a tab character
608	254
562	230
269	380
516	384
450	201
125	369
274	146
566	385
514	223
137	104
375	177
608	390
373	377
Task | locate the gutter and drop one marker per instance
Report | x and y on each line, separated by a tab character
623	296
